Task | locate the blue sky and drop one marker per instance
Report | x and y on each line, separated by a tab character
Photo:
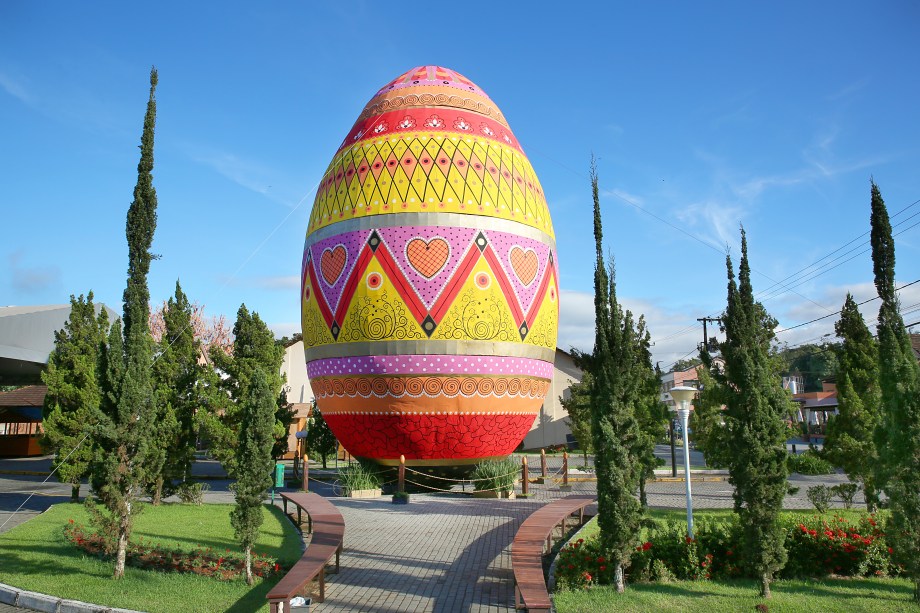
703	116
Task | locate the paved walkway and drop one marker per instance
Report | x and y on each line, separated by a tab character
441	553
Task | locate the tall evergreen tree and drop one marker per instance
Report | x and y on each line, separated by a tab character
71	410
614	425
254	347
578	407
752	442
849	443
253	462
125	443
899	380
177	380
651	413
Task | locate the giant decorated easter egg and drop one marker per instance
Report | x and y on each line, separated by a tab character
430	296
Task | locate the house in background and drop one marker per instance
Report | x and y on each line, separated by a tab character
299	392
21	421
551	428
815	408
675	378
26	342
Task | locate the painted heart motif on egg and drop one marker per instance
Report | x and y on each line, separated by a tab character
524	264
333	263
427	257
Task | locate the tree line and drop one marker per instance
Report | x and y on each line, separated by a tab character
125	411
741	416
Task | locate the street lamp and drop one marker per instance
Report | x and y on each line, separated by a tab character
682	395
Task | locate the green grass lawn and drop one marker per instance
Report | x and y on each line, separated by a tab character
35	556
817	596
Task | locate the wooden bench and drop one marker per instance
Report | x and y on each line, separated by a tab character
328	532
533	540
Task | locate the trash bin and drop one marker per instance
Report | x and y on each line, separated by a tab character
279	475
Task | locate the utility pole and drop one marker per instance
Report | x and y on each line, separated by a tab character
706	320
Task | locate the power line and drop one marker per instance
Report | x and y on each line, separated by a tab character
838	312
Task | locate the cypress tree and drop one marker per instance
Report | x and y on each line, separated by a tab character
254	347
651	414
753	438
253	462
850	440
176	379
613	423
899	382
578	406
71	410
321	442
125	445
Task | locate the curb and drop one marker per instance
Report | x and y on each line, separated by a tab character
693	479
26	473
51	604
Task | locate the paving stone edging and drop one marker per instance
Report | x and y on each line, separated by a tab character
51	604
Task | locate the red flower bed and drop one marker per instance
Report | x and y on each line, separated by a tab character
817	547
200	561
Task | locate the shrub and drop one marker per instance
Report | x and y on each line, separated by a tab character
495	475
580	564
192	492
711	554
359	476
200	561
836	546
846	492
808	463
817	547
820	496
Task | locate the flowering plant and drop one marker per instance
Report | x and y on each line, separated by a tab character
581	564
837	546
153	556
817	546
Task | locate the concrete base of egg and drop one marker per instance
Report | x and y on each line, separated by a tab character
430	298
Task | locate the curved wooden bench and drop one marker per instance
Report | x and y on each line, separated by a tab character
328	532
533	540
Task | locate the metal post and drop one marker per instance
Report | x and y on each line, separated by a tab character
524	476
543	463
565	468
402	473
306	473
673	452
684	414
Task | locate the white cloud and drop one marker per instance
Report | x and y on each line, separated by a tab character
823	329
624	195
15	88
673	333
32	279
250	174
284	328
272	282
718	221
278	282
